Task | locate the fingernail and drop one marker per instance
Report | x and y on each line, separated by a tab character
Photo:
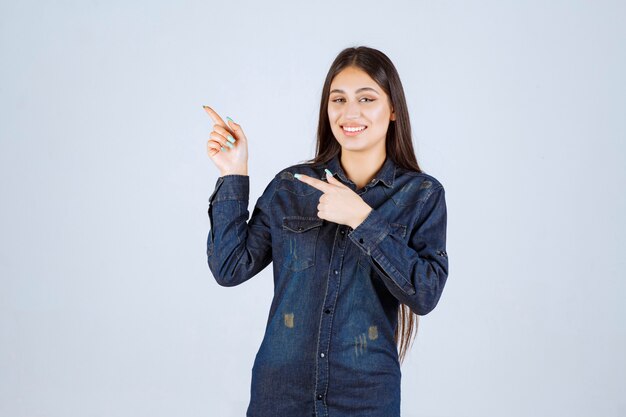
230	139
230	145
222	148
205	107
328	172
230	119
297	176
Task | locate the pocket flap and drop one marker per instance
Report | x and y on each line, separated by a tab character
301	224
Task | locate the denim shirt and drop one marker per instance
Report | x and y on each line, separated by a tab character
328	348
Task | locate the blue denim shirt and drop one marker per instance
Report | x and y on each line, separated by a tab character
329	347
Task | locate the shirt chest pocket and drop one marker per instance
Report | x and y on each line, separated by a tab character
300	240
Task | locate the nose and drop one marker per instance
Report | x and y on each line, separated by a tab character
353	111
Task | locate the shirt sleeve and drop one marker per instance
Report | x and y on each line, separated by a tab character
415	272
238	249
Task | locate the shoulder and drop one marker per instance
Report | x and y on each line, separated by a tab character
419	181
412	187
425	180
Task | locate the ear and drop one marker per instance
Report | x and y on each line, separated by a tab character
393	115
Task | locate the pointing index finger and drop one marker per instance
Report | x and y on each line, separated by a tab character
216	117
314	182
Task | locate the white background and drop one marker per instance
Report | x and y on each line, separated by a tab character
107	305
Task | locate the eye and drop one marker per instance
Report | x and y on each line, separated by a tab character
341	99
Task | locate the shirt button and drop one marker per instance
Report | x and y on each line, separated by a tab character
361	240
343	232
322	354
320	396
327	311
336	272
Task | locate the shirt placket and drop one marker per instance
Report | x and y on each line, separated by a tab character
335	272
326	323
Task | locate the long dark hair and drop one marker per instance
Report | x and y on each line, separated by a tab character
398	143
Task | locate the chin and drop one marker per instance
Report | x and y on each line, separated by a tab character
353	147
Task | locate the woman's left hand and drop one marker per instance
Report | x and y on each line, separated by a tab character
338	204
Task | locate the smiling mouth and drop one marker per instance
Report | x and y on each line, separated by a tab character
355	129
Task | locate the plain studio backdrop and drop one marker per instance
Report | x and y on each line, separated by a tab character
107	305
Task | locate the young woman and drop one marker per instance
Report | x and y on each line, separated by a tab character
357	237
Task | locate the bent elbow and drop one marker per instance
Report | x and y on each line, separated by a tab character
227	275
427	298
223	280
425	304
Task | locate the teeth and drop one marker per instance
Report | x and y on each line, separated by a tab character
353	129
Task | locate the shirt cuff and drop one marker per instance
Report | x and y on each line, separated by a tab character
370	232
231	187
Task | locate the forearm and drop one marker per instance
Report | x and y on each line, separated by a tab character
414	270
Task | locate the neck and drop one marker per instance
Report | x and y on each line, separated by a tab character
361	167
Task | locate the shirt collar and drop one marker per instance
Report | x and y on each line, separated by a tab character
386	173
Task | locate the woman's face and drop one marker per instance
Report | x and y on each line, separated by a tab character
357	101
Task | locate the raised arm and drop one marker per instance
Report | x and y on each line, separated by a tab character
237	249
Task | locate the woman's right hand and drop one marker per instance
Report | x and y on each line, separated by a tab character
230	157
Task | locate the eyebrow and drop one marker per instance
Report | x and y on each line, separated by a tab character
336	90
